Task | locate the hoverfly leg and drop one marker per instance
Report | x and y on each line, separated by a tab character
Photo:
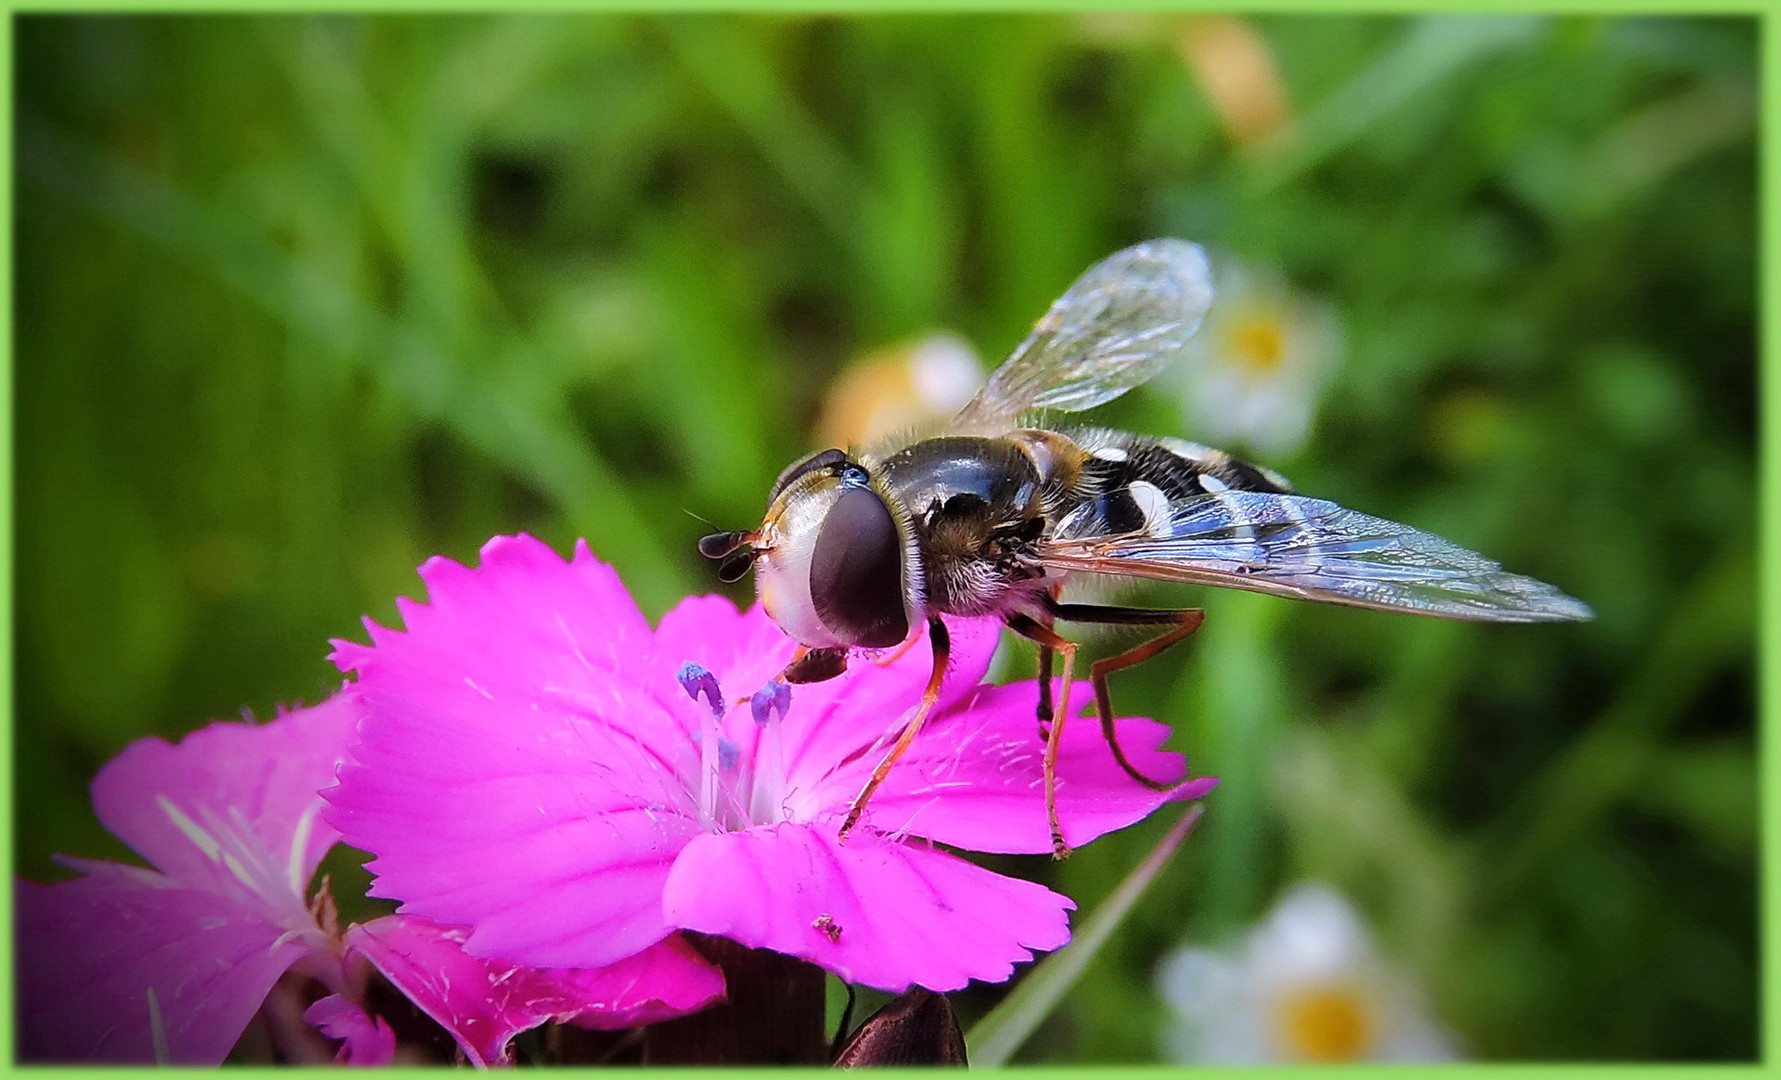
1049	641
1186	621
895	654
1045	680
942	643
814	665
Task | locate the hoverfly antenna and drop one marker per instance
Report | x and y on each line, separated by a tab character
724	544
736	565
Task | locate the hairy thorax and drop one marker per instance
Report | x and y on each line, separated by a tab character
976	504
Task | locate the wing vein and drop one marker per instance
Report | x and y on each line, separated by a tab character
1312	549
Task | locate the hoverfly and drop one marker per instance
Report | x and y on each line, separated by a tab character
992	518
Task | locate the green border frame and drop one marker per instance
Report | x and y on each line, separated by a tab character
860	7
1769	460
1769	530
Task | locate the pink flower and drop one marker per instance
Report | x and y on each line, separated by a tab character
136	965
485	1003
538	764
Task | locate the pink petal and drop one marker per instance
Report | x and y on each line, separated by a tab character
520	759
542	817
744	648
524	618
884	914
485	1003
666	980
976	777
509	783
91	950
831	722
234	807
366	1040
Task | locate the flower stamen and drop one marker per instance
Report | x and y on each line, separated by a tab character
770	705
696	680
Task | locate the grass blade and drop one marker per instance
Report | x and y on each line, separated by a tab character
995	1038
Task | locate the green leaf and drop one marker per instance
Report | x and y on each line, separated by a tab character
995	1038
1434	51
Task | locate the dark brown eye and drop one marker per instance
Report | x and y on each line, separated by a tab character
828	459
856	572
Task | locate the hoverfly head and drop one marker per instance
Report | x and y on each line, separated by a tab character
835	559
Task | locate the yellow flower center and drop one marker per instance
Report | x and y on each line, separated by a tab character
1259	344
1326	1024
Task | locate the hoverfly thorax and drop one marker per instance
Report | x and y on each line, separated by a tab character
835	557
977	509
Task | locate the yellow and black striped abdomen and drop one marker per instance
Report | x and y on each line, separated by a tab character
1129	484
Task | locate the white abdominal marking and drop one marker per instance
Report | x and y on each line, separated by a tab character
1153	504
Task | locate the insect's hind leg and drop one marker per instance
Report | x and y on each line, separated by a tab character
1045	655
1186	621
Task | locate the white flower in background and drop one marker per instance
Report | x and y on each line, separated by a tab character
1253	374
913	386
1303	985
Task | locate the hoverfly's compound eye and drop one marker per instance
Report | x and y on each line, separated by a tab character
828	459
856	571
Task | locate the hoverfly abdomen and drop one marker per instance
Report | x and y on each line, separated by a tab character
1131	485
1223	468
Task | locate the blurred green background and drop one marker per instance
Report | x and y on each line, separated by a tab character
303	301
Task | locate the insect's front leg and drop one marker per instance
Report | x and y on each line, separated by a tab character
942	643
815	665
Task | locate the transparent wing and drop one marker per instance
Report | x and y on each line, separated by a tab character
1312	549
1122	322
